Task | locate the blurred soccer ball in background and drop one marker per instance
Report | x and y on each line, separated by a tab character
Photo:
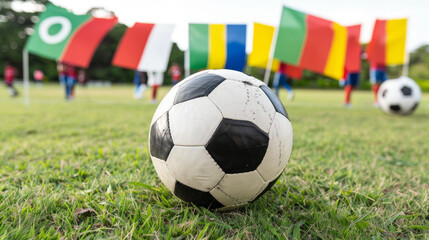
399	96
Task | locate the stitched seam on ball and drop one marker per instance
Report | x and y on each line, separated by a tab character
234	199
208	96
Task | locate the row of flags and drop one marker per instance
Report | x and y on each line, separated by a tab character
302	41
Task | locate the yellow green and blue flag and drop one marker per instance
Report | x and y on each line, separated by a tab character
217	46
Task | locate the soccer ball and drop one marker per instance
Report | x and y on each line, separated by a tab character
399	96
220	139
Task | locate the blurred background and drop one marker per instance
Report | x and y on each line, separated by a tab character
17	18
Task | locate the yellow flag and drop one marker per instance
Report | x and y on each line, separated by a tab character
262	39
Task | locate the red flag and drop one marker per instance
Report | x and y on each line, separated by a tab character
353	51
291	71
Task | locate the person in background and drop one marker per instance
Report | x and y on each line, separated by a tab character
280	79
176	73
62	74
155	80
82	77
140	82
38	77
351	81
9	76
70	80
377	76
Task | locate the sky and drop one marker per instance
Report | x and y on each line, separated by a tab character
182	12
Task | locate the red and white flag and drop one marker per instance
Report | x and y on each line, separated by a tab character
145	47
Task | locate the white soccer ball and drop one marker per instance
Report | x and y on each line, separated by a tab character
399	96
220	139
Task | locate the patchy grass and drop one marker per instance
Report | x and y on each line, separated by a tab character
81	170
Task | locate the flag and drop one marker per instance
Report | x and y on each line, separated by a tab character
216	46
63	36
387	45
292	71
311	43
262	40
353	53
145	47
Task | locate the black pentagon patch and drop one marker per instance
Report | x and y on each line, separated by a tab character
238	146
200	86
197	197
275	101
161	141
395	108
414	107
269	186
406	91
384	93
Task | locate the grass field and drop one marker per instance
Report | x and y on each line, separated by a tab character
81	170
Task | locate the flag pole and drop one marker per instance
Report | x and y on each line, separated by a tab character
187	63
270	58
26	80
271	55
406	65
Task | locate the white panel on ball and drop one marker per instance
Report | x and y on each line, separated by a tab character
279	149
192	123
168	100
241	101
164	173
165	104
237	76
194	167
239	188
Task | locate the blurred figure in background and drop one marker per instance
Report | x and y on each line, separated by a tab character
82	77
140	82
155	80
9	76
351	81
62	75
280	79
38	77
71	80
176	73
68	78
377	75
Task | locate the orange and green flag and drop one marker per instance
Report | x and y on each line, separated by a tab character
387	45
311	43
